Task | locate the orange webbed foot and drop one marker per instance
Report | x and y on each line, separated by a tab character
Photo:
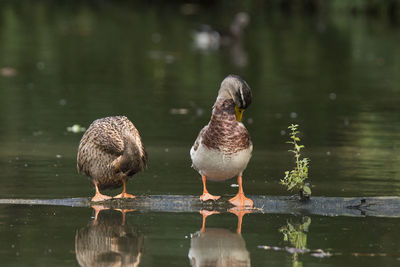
124	195
240	200
100	197
207	196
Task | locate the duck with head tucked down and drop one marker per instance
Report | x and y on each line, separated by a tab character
223	148
110	152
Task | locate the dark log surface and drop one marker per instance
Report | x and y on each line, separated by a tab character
326	206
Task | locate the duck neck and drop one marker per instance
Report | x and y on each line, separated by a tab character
223	109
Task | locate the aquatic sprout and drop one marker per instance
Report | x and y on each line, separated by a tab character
294	179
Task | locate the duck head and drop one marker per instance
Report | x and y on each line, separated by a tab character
235	88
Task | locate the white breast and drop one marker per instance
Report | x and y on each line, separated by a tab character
217	165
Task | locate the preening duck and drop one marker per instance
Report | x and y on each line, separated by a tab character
223	148
110	152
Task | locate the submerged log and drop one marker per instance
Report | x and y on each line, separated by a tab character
325	206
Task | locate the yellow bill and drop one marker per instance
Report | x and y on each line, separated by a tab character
239	113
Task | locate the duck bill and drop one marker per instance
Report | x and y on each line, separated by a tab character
239	113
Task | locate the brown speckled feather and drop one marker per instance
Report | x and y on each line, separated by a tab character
111	150
224	132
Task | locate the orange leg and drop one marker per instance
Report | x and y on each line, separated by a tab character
240	200
99	196
207	196
239	213
205	214
124	194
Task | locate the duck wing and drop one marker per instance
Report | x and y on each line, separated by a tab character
101	136
109	141
105	135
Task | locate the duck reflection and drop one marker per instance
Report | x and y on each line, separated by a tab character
108	241
217	246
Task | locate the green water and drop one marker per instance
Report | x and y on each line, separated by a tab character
337	76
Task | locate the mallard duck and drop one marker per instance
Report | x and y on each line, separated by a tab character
223	147
109	153
207	38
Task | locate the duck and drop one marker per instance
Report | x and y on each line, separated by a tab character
223	148
110	152
206	38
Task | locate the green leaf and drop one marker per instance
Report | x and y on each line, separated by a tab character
307	190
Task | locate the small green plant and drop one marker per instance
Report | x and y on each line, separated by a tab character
294	179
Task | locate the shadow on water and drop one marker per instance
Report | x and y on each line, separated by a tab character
108	240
